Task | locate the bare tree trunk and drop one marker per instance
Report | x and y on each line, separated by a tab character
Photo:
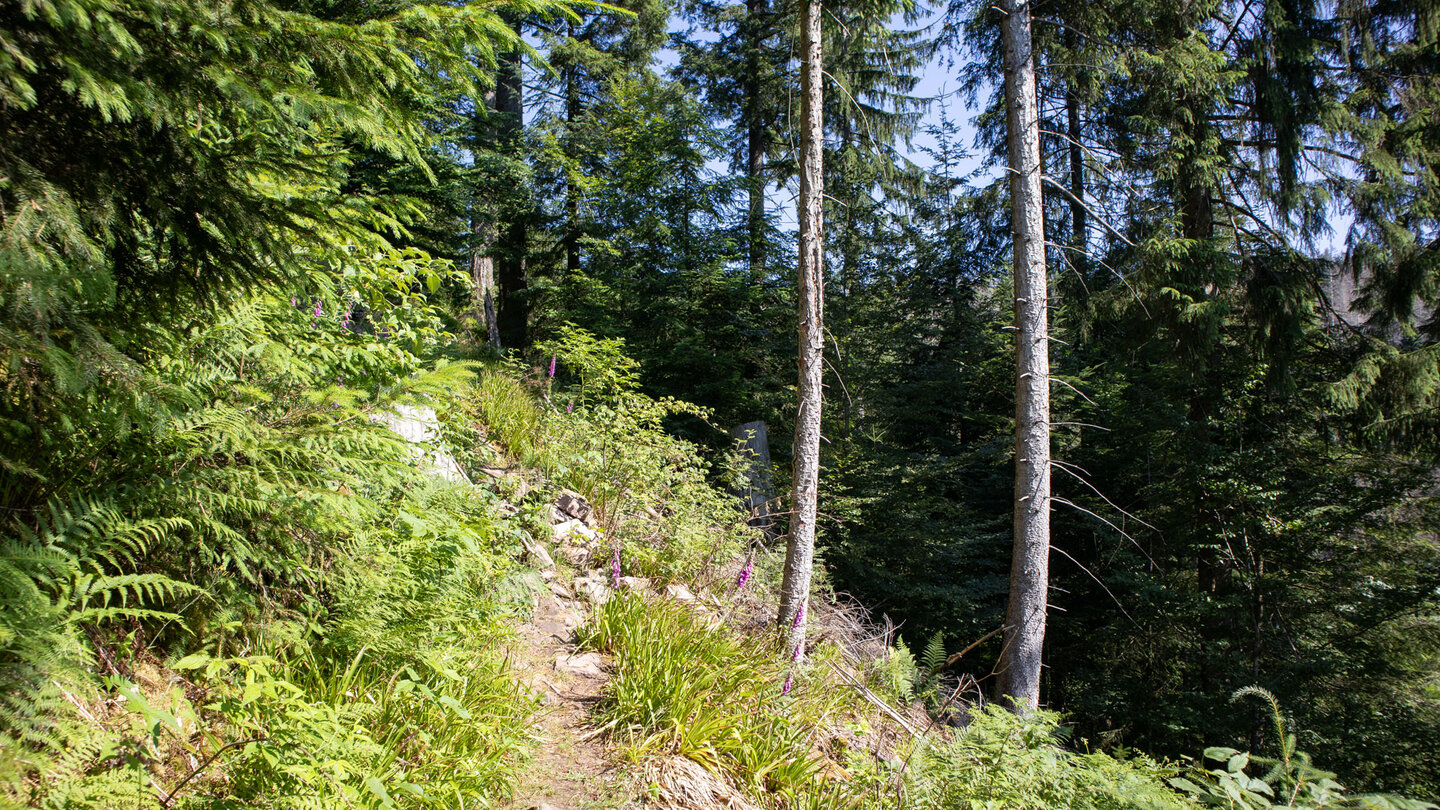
1079	228
752	443
485	231
800	552
482	273
1020	660
572	194
510	104
755	139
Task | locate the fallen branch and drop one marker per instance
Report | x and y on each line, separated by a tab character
875	700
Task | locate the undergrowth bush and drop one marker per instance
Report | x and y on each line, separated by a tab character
590	429
1003	761
330	612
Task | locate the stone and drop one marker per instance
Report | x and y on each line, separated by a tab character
573	554
572	504
575	530
635	583
561	591
587	665
593	589
421	428
679	593
536	552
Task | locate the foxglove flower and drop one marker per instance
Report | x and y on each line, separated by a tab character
615	569
799	615
799	651
745	573
789	682
552	366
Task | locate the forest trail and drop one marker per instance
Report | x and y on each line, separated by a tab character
572	768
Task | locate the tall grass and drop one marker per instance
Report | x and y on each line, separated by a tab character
684	687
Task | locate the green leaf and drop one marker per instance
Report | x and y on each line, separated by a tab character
191	661
1181	783
378	788
455	706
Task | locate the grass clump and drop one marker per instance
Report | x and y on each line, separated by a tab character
683	687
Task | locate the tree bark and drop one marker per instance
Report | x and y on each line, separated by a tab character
1079	227
752	443
572	194
484	230
800	551
1020	659
482	273
511	276
754	139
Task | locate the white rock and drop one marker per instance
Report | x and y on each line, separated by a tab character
585	664
593	589
679	593
574	529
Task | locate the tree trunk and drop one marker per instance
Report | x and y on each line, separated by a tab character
1020	660
754	139
482	273
1079	228
509	102
800	552
752	443
484	230
572	194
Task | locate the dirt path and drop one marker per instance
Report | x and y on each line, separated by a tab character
572	769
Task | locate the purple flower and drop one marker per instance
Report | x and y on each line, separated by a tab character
318	310
292	300
799	651
745	573
615	569
789	682
570	407
552	366
799	616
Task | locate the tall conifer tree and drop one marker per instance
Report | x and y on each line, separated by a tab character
800	552
1020	661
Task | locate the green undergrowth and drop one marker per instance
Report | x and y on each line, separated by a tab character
226	583
684	684
684	687
589	428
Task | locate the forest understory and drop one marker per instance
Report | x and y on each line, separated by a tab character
421	404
